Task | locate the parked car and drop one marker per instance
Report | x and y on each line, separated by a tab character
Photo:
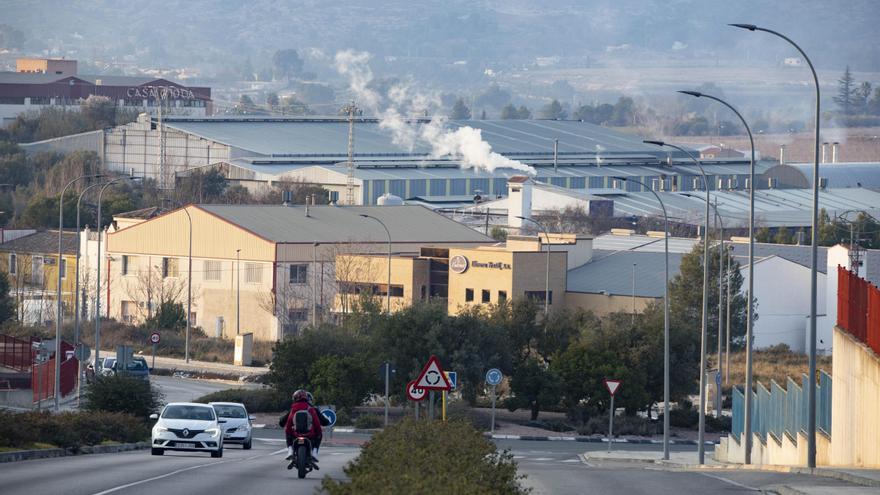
238	423
188	427
137	368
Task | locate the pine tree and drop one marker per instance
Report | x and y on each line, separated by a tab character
460	111
845	92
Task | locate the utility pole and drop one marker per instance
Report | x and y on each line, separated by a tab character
350	109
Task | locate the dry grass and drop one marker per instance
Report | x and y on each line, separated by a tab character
773	364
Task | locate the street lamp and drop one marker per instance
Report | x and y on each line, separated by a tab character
750	306
58	312
701	448
238	292
811	391
189	277
388	287
547	272
76	297
720	222
665	318
98	275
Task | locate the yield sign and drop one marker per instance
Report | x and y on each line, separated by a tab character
612	385
432	376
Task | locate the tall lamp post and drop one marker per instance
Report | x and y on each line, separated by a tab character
189	277
701	447
547	270
388	288
750	307
665	317
76	308
811	390
98	275
59	313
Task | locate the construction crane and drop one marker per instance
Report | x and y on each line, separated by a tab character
351	110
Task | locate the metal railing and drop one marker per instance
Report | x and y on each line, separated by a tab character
16	353
858	308
780	412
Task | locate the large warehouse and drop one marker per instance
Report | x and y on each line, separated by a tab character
257	152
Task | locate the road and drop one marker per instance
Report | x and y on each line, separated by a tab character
259	470
554	468
186	389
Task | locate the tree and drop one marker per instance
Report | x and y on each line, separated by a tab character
494	97
287	63
169	315
863	98
272	101
246	106
460	110
624	113
344	381
510	112
874	105
7	301
99	112
846	93
553	111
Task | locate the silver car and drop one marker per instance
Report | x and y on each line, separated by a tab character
236	422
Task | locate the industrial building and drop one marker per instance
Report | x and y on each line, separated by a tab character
40	83
259	151
261	269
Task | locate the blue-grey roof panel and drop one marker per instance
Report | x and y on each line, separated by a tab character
612	273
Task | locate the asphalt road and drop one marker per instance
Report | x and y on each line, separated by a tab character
259	470
186	389
554	468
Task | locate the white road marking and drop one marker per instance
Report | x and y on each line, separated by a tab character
734	483
572	460
172	473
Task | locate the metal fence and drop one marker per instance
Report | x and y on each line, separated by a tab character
778	411
858	308
16	353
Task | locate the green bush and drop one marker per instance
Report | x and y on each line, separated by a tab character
684	416
552	425
717	425
460	411
123	394
429	457
69	430
368	421
261	400
342	418
623	425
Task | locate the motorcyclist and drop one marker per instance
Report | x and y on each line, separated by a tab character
301	403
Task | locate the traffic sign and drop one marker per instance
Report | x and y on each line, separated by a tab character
415	393
330	414
82	352
155	337
452	377
494	376
432	377
382	369
612	385
717	378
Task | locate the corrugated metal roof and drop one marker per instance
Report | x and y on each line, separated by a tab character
289	224
611	273
312	136
839	175
45	242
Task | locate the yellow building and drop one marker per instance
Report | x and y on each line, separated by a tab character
261	269
468	276
31	263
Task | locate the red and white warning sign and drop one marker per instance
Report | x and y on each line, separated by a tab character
413	392
612	385
432	376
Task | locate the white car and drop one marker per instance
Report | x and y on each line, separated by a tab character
189	427
238	423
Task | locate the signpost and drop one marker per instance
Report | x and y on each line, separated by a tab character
330	414
612	386
416	394
493	378
155	338
385	371
432	379
452	378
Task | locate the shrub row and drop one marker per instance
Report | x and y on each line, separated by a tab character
429	457
69	430
260	400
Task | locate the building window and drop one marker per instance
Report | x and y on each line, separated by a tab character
193	319
37	271
126	264
486	296
11	100
63	268
299	274
502	296
253	273
538	295
169	267
298	315
424	293
396	291
468	295
13	264
212	270
128	309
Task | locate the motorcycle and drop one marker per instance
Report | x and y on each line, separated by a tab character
302	457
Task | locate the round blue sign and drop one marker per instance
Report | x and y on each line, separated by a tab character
330	414
493	376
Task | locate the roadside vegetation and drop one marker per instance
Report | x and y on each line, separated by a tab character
68	430
429	457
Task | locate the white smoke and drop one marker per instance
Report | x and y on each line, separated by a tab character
465	143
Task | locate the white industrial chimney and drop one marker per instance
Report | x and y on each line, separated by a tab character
834	147
824	152
519	200
782	154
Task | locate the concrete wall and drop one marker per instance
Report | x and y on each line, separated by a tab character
855	428
603	304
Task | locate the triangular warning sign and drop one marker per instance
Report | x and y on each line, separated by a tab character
612	385
432	376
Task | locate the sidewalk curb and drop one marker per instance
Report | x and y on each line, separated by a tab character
26	455
369	431
642	441
673	466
